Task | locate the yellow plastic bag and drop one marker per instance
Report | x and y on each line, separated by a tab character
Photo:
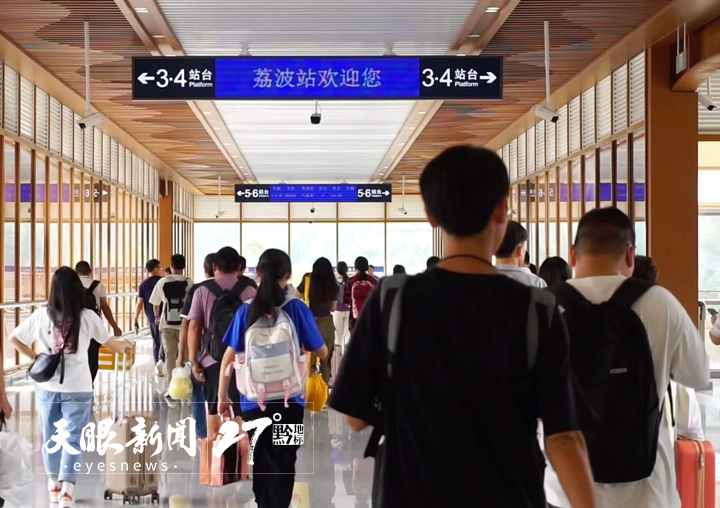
316	393
181	385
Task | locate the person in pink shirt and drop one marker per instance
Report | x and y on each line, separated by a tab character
205	368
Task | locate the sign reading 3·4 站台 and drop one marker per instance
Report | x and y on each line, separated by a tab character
317	78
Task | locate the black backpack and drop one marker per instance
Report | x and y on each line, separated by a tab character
175	293
615	391
226	305
90	300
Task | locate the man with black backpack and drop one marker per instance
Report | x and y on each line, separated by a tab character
628	338
213	308
168	299
96	301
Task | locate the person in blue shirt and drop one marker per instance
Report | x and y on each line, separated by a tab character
274	468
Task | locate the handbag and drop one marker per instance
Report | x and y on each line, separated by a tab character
45	365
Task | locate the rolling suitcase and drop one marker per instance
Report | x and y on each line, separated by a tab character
695	469
121	476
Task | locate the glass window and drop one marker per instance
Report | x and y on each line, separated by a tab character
308	242
40	190
54	232
590	184
26	226
127	262
408	244
112	272
552	213
606	176
709	252
363	239
104	233
257	237
77	196
87	218
639	192
532	224
564	196
622	176
542	215
66	218
9	224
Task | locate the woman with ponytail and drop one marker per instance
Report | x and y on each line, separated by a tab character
274	468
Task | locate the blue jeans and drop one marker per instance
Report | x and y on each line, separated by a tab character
75	409
198	408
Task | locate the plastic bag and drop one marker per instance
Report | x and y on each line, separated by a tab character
181	386
16	470
316	393
689	418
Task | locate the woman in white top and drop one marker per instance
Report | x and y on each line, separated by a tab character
64	324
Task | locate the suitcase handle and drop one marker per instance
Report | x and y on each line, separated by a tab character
116	393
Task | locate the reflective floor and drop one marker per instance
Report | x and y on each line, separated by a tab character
324	467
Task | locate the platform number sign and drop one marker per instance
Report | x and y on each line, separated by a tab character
314	193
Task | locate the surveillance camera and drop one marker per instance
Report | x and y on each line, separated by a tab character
91	121
546	114
315	118
312	210
405	212
706	101
217	215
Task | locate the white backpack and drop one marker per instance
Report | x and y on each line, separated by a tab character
273	366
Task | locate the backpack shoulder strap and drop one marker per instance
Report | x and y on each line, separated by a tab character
542	305
396	285
568	297
239	287
215	288
93	286
630	292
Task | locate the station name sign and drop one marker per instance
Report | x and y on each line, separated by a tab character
344	193
317	78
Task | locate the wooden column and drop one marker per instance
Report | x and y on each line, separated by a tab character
165	223
672	154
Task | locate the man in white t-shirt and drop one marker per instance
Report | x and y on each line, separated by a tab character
603	257
170	293
84	271
715	332
510	256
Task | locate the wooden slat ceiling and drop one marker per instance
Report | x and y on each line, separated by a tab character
580	31
52	32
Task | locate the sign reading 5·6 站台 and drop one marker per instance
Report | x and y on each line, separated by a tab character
308	193
317	78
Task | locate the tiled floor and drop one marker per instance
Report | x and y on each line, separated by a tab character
324	476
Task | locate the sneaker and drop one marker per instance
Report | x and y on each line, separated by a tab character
66	501
54	494
160	369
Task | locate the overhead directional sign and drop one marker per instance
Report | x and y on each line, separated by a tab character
367	193
316	78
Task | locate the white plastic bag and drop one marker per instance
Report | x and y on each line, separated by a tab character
16	470
689	418
181	385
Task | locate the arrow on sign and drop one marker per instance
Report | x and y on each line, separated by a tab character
144	78
490	77
387	193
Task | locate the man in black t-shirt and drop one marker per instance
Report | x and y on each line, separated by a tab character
480	358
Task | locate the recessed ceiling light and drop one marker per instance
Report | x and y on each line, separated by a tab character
226	144
385	167
241	167
141	10
207	112
392	156
421	112
170	55
401	144
216	128
474	36
412	128
234	156
158	36
460	54
245	174
492	9
381	174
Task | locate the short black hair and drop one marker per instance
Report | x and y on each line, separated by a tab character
604	231
645	269
371	266
177	261
399	270
555	270
432	261
515	235
83	268
208	263
527	257
227	260
361	264
462	186
243	263
151	265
